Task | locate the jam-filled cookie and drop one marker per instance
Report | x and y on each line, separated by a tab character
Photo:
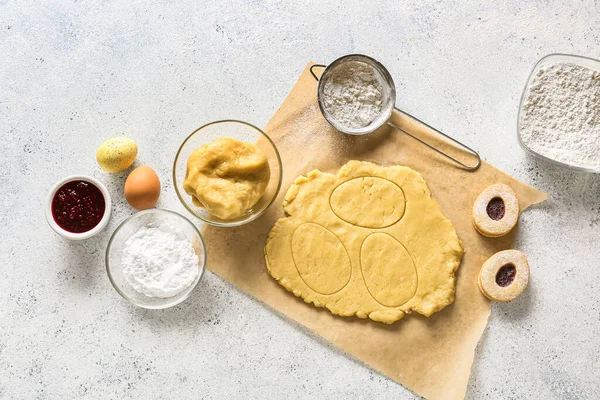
496	211
504	276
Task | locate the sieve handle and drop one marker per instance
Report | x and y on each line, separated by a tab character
459	144
315	66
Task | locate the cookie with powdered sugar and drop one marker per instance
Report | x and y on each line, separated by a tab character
504	276
496	211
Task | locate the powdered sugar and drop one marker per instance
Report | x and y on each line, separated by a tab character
353	95
159	261
561	115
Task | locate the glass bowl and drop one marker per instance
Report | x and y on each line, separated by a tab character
547	60
130	226
239	130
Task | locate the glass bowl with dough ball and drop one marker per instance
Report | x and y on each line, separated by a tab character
227	173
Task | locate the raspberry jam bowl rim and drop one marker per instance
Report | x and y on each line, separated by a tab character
82	235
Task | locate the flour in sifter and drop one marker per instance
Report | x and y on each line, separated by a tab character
353	95
159	261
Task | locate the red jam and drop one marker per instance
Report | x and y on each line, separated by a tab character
496	209
506	275
78	206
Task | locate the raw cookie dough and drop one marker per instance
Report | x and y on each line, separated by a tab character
227	177
496	211
369	241
504	276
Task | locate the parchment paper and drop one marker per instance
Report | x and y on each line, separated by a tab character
431	356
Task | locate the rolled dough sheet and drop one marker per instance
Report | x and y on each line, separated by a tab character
369	241
431	356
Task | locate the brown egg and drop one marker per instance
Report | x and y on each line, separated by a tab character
142	188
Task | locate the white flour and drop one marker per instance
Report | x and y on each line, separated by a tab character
159	261
561	118
353	95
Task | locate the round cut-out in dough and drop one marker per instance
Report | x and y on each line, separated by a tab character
388	270
369	202
320	258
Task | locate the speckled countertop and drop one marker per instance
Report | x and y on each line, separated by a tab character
74	73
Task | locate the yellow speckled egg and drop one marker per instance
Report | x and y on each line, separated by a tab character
116	154
142	188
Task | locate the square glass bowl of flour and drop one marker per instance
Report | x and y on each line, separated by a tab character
559	113
155	258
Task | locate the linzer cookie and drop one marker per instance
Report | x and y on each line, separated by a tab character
496	211
504	276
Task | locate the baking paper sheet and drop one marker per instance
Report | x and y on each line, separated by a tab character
430	356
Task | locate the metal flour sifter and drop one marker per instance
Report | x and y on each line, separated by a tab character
388	106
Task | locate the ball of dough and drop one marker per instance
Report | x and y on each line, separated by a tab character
496	211
227	177
504	276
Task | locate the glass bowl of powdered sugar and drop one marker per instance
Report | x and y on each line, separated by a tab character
559	114
155	258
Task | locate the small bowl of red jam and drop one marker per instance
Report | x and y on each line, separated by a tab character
78	207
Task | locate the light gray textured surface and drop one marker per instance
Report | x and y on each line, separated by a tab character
73	73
